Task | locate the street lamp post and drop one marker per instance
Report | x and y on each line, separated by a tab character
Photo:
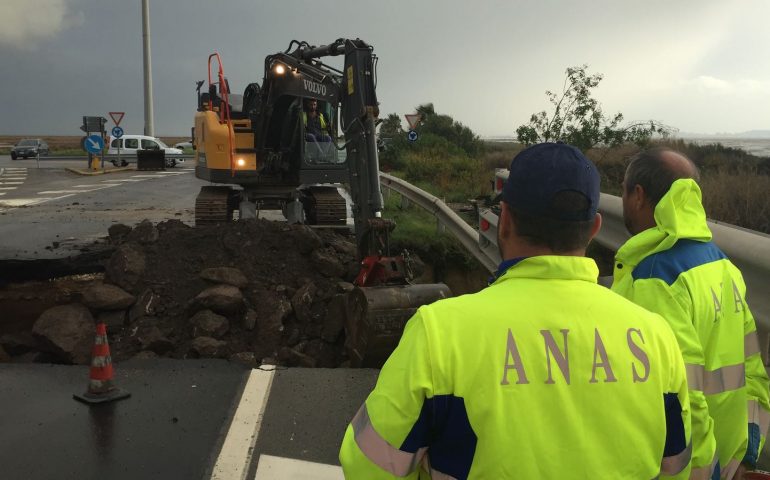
149	128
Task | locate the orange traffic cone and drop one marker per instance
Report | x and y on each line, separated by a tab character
100	386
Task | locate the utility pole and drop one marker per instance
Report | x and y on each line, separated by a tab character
149	128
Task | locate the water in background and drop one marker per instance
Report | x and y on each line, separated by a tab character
755	146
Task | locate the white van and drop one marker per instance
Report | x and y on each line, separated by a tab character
129	144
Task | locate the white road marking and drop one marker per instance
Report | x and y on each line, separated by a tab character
237	449
97	187
280	468
125	180
144	176
59	192
3	193
8	188
20	202
14	177
11	183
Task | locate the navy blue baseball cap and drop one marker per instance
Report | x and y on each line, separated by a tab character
540	173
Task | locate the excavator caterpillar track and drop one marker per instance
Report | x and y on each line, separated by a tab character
214	205
326	207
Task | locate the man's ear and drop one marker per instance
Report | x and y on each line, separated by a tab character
597	225
504	223
640	197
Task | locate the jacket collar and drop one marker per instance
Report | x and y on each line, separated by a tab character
552	267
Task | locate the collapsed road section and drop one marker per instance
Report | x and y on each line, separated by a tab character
252	291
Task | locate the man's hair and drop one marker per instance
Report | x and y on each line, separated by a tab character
648	169
560	236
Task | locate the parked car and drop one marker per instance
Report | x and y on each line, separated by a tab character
29	147
183	145
129	144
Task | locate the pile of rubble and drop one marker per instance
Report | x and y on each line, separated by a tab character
252	291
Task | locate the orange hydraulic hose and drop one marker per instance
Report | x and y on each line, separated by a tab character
225	112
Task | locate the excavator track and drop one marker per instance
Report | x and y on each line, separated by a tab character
213	206
327	207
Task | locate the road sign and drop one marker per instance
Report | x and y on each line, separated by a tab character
412	136
413	119
93	124
94	144
117	117
117	132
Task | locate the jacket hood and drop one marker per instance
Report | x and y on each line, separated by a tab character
678	215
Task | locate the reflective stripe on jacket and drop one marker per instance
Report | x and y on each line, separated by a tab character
543	374
675	270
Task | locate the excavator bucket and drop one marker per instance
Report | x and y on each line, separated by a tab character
375	318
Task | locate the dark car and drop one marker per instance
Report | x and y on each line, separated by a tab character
29	147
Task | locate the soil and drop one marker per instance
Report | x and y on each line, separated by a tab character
277	259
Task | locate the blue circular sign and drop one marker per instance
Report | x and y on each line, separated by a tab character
117	132
94	144
412	136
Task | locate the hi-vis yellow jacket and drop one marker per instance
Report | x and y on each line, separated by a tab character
675	270
542	375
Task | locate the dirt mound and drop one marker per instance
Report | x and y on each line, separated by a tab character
255	291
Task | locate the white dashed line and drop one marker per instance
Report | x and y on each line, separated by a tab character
20	202
11	183
8	188
272	467
59	192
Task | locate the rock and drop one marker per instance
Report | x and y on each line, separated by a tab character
144	306
102	296
343	247
151	338
307	239
208	324
145	355
114	319
250	320
327	264
245	358
226	275
271	326
223	299
126	267
4	357
208	347
334	321
18	343
68	332
293	358
302	302
117	232
145	233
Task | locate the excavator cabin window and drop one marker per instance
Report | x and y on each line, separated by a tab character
319	128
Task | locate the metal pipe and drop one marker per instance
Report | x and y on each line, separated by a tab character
149	128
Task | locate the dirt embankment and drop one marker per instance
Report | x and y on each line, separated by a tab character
253	291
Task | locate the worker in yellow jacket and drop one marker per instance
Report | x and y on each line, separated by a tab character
671	267
542	375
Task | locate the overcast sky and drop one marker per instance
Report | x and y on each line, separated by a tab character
697	65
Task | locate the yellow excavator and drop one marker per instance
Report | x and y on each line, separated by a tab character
257	149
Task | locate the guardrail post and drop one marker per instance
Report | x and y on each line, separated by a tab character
440	227
404	202
385	193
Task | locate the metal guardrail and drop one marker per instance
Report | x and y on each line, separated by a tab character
748	250
465	234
